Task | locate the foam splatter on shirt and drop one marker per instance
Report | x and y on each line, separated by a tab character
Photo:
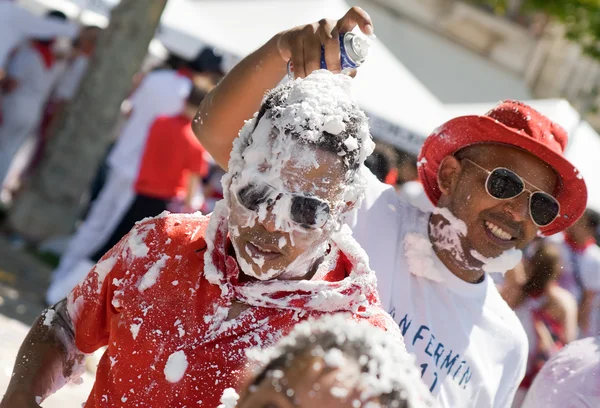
175	344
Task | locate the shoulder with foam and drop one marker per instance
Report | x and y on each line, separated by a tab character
180	229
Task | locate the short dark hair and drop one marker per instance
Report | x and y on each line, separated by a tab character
56	14
197	94
592	218
544	267
210	60
330	143
382	160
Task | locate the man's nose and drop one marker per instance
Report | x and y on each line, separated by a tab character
270	222
518	207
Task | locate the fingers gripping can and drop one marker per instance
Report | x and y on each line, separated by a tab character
353	52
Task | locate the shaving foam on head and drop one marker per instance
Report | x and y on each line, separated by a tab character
300	117
384	366
302	111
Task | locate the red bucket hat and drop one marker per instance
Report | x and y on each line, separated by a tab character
516	124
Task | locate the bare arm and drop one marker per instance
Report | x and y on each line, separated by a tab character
512	288
570	318
238	96
192	186
585	309
235	99
46	360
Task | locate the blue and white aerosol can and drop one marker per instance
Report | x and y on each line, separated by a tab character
353	52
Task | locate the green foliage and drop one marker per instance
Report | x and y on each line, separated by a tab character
581	18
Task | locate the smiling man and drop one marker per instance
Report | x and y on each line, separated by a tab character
496	180
180	298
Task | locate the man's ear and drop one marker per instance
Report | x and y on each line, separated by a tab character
448	174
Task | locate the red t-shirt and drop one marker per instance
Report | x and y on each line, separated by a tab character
162	312
172	152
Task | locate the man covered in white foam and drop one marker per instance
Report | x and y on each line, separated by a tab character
180	299
497	181
336	363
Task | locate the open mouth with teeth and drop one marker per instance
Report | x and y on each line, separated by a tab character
497	232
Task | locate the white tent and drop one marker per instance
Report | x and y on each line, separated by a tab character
401	109
583	149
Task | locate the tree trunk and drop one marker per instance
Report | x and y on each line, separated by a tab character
50	203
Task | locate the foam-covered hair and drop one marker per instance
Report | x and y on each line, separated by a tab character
388	372
317	110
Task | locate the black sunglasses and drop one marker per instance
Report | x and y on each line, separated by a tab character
306	211
505	184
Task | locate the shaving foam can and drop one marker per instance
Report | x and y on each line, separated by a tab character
353	52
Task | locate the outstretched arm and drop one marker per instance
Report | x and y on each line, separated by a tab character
238	96
47	360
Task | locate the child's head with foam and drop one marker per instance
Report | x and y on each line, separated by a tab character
336	362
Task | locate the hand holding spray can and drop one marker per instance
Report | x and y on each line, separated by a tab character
353	52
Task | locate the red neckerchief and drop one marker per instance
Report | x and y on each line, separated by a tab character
576	247
392	177
45	51
185	72
357	291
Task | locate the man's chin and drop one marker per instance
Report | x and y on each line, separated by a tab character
263	274
493	248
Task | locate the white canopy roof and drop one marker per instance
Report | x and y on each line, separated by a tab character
583	149
402	110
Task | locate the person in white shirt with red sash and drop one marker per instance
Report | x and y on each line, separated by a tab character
31	75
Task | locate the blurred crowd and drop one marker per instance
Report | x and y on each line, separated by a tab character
45	60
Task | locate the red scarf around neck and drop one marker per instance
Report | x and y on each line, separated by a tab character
355	293
579	247
45	51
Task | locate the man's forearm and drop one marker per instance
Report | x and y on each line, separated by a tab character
47	359
584	311
236	98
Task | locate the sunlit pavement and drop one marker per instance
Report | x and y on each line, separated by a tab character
12	333
23	280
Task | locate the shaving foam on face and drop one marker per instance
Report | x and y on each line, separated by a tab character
506	261
310	109
448	236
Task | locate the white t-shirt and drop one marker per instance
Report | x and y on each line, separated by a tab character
581	272
161	93
469	344
569	379
24	106
567	278
71	79
589	268
18	24
412	192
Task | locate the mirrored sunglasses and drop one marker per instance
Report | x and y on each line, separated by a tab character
505	184
306	211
